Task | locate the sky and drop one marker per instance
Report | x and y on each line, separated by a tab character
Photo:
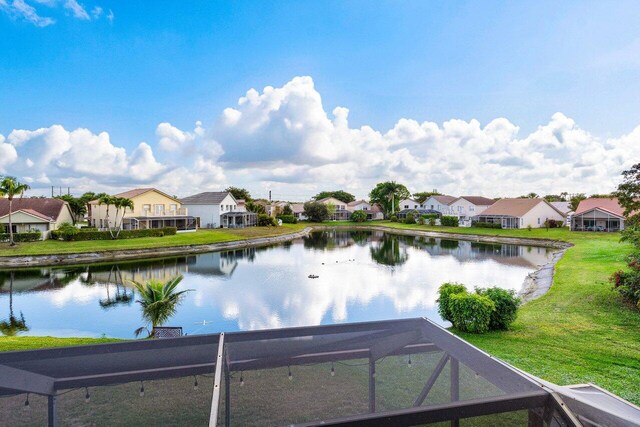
470	98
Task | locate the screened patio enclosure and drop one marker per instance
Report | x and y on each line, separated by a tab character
401	372
597	220
505	221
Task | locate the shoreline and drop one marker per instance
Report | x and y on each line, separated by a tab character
536	284
29	261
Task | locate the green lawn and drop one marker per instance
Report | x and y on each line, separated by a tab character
200	237
580	331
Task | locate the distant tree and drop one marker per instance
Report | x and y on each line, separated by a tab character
120	203
603	196
530	196
10	187
287	210
554	198
316	211
255	207
629	195
76	205
341	195
575	201
239	193
331	209
420	197
388	195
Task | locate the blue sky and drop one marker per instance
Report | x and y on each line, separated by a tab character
180	62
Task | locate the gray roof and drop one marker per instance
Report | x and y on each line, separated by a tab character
206	198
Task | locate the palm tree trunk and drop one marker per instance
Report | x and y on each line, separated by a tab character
11	295
11	242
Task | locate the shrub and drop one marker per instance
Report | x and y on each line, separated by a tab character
471	312
359	216
65	233
445	291
316	211
31	236
486	224
393	218
288	219
410	219
449	221
506	303
265	220
88	228
429	216
420	220
627	283
432	222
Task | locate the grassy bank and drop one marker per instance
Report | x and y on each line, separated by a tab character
200	237
32	343
580	331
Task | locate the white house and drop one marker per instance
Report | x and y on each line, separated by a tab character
465	207
439	203
208	207
520	213
373	211
341	213
29	215
409	204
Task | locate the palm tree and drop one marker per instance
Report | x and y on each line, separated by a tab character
13	325
108	201
11	187
159	302
124	204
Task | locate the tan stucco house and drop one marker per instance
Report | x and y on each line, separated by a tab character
151	209
31	214
520	213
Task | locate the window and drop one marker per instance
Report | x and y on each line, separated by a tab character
471	209
159	209
538	221
431	207
173	208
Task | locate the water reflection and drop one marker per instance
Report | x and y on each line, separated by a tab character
362	276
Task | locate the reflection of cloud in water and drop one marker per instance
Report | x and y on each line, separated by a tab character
275	292
387	277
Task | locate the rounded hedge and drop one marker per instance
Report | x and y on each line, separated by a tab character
506	303
471	312
445	291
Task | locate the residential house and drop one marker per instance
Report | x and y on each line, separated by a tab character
341	213
409	204
465	207
520	213
298	211
216	209
31	214
373	211
565	209
598	214
439	203
151	209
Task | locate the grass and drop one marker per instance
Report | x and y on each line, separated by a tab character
580	331
32	343
200	237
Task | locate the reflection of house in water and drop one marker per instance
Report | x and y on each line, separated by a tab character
465	251
36	280
218	263
161	270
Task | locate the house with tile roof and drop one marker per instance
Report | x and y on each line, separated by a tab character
465	207
520	213
151	209
34	214
439	203
598	214
216	209
373	211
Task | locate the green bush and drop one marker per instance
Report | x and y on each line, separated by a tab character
445	291
627	283
31	236
265	220
410	219
429	216
486	224
471	312
359	216
67	234
288	219
393	218
449	221
506	303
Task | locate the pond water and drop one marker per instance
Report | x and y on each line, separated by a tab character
362	276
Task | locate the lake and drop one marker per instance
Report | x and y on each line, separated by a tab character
362	276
